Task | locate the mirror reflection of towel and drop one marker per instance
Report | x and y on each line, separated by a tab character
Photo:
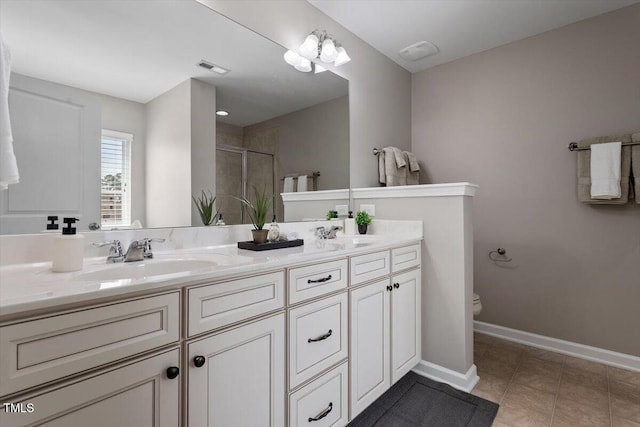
302	183
288	185
8	165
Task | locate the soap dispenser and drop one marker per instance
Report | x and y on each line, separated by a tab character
350	225
274	231
68	248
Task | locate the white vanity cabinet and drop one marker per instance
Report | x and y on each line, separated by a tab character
385	333
145	393
237	377
309	344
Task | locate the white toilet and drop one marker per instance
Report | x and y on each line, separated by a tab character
477	305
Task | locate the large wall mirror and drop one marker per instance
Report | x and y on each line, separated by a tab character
113	110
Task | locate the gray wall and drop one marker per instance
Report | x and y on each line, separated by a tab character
379	89
203	142
168	158
315	139
503	119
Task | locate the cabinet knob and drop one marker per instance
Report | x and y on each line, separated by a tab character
389	288
172	372
198	361
396	285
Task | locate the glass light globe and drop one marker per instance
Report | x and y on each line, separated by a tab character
292	58
328	52
341	57
304	66
309	49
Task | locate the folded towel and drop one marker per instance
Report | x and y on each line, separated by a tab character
8	165
635	164
412	160
393	174
382	172
413	172
584	170
605	170
399	156
302	183
288	185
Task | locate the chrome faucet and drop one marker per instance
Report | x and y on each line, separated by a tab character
138	250
115	250
330	233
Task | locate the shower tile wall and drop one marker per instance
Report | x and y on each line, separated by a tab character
260	170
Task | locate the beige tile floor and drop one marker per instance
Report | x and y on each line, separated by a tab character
536	387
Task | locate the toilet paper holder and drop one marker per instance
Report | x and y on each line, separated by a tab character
499	255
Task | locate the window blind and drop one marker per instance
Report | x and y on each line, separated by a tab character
115	194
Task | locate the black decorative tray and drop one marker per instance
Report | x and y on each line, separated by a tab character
249	245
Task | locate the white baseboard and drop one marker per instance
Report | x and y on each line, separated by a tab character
595	354
465	382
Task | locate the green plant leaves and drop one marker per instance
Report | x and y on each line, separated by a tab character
204	204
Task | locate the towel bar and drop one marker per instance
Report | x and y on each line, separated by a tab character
573	146
310	175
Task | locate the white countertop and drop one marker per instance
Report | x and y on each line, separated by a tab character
25	288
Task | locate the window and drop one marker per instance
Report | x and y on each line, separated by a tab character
115	194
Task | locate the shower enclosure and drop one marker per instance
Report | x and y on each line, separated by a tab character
238	171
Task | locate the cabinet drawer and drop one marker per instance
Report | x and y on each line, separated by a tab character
369	267
46	349
317	337
316	280
404	258
322	402
220	304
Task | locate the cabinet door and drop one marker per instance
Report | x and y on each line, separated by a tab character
237	378
139	394
405	323
370	364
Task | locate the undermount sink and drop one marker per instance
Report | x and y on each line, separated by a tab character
354	242
145	269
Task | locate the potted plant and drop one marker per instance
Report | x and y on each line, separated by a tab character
363	220
257	212
331	215
204	204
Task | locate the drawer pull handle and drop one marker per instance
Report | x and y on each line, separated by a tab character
172	372
389	288
322	414
322	337
322	280
198	361
396	285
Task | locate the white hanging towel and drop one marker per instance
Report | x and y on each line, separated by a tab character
302	183
605	170
288	184
8	166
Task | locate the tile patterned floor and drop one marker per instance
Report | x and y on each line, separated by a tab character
536	387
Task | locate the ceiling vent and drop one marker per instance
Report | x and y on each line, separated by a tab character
418	51
212	67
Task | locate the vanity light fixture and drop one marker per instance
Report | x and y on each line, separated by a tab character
317	47
222	113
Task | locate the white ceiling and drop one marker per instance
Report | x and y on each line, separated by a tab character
458	27
137	50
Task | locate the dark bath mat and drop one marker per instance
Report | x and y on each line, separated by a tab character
416	401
